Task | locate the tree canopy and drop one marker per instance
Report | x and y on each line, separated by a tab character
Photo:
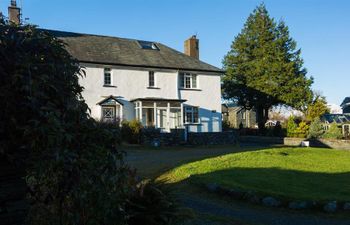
317	108
264	67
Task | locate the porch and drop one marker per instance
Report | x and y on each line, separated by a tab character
164	114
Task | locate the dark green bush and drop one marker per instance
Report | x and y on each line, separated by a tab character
131	131
226	125
75	173
334	132
153	203
316	130
114	128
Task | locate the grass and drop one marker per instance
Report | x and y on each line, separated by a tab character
292	173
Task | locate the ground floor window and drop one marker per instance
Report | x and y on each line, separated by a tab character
108	113
191	114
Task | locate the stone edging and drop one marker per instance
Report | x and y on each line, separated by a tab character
269	201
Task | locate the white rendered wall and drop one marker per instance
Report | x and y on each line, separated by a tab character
132	83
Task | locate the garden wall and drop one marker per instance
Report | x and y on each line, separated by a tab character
327	143
153	137
212	138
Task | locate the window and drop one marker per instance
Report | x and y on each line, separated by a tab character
107	76
151	80
191	114
148	45
108	113
188	80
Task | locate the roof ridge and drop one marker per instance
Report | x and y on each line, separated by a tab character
96	35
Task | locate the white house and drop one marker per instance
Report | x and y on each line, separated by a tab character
133	79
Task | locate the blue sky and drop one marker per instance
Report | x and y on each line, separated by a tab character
320	27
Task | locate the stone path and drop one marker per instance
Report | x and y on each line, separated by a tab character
258	215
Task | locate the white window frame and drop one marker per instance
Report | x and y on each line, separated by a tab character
188	77
151	73
108	119
191	110
105	72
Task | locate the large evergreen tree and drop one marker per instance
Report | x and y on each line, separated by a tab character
264	67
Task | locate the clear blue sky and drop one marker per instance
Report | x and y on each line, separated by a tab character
320	27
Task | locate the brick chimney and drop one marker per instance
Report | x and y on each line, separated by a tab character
192	47
14	13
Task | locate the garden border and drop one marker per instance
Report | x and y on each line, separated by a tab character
271	201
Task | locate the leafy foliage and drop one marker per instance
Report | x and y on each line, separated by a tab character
226	125
291	127
75	174
131	131
154	204
316	109
264	68
316	130
333	132
302	130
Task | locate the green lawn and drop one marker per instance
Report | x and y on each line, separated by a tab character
292	173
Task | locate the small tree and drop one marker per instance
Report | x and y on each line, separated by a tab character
333	132
317	108
316	130
291	127
302	130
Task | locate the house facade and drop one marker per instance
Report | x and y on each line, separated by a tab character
130	79
238	117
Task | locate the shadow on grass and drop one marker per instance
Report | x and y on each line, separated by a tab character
286	184
151	163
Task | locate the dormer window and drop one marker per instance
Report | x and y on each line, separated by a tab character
107	77
148	45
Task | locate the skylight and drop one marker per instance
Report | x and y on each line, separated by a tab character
148	45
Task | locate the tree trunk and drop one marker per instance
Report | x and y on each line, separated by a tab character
262	117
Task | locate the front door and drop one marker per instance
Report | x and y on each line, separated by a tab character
161	117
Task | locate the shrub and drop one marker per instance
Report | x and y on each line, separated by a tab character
316	130
114	128
75	173
153	203
291	127
131	131
302	130
333	132
226	125
277	130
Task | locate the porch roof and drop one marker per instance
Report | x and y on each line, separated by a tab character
107	99
158	99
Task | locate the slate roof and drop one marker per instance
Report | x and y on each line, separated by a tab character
338	118
346	101
88	48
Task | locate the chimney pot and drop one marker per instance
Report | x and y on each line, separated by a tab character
191	47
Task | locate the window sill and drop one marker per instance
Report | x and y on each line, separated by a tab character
193	124
153	88
190	89
111	86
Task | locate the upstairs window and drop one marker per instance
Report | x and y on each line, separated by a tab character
148	45
107	77
188	80
151	80
191	114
